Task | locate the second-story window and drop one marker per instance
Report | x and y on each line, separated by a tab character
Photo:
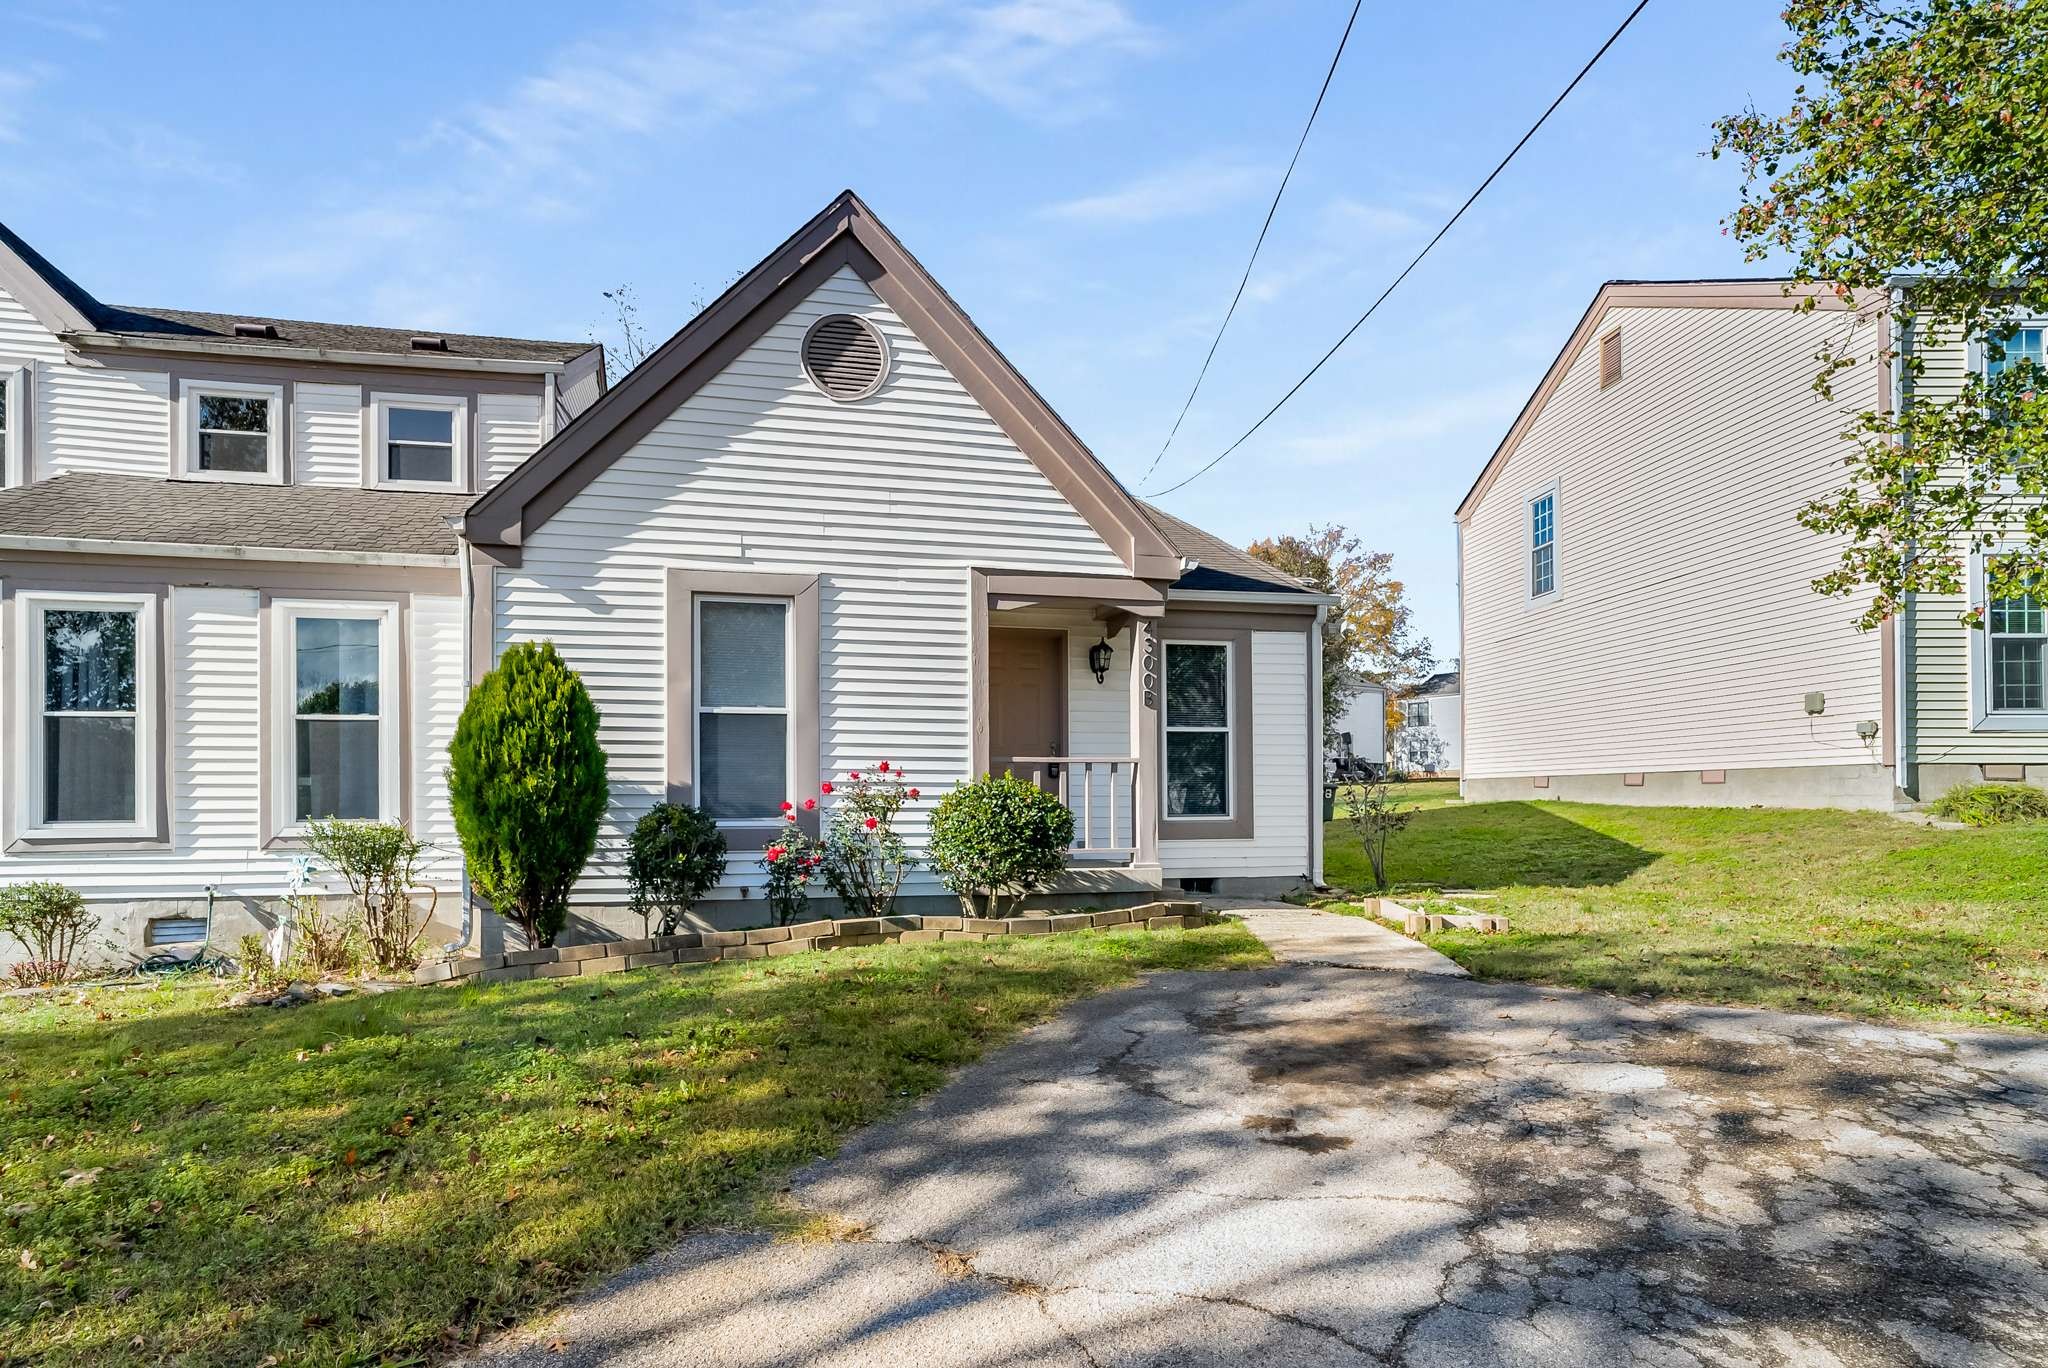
233	432
1543	543
422	442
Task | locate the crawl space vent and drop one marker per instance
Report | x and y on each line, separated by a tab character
845	357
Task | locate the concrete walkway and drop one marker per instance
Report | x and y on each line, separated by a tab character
1311	1165
1299	935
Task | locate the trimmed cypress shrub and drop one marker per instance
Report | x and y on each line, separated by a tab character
527	780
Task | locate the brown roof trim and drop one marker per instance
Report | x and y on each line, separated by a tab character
844	233
1776	293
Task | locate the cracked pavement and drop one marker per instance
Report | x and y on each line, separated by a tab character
1314	1164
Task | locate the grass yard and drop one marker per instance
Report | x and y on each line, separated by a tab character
1420	794
382	1179
1845	912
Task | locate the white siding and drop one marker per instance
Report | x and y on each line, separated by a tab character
1683	632
1365	718
1279	847
508	431
1942	671
437	696
215	774
23	336
118	422
327	434
1445	720
889	500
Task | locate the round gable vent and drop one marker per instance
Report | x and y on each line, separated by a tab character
845	357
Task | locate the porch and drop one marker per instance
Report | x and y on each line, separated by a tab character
1066	696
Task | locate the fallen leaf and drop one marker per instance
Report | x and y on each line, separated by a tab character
81	1177
29	1260
558	1345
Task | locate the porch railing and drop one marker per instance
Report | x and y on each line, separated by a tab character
1100	790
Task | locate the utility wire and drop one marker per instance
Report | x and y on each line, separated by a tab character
1245	279
1448	225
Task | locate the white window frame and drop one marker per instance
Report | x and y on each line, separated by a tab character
30	606
382	403
1418	712
1530	593
14	439
1982	718
284	688
1978	360
190	392
1231	778
790	785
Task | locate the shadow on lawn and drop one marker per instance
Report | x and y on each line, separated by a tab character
1492	845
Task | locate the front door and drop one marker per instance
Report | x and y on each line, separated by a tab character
1027	703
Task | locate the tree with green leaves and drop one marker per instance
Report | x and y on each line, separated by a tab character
1368	637
526	777
1917	146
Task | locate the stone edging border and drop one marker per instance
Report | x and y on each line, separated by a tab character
705	947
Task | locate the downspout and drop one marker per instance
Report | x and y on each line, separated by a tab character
462	941
1902	655
1316	758
550	397
1464	670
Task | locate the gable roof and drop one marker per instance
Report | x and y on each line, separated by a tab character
844	234
1216	563
75	315
1751	292
119	511
1443	682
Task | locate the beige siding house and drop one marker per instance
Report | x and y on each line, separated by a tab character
1637	614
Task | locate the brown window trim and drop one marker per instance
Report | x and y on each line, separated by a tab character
801	590
1240	825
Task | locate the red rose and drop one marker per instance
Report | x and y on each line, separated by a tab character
787	805
883	767
913	793
774	854
825	787
854	775
810	805
788	816
871	824
817	859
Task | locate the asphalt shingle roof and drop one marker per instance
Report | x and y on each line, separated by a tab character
1218	564
132	508
129	320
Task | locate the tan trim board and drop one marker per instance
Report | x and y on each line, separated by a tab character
1225	621
1241	825
283	574
977	671
88	340
392	374
845	233
1674	294
1099	588
683	587
93	546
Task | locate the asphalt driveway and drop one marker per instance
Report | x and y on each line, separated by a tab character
1320	1164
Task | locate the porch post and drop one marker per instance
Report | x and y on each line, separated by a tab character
1145	744
977	674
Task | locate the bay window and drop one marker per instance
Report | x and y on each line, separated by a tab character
1198	717
90	691
742	690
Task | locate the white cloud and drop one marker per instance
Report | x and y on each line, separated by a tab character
1351	218
76	20
15	88
1181	192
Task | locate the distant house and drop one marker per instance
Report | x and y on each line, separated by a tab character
1431	738
1362	732
1637	615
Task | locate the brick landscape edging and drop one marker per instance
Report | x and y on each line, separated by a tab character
705	947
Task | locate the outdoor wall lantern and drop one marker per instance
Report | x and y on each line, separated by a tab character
1099	656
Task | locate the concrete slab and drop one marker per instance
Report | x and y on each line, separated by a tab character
1301	935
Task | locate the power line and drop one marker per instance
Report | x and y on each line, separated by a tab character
1448	225
1245	279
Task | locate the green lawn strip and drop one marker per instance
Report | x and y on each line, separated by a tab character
376	1177
1420	794
1851	913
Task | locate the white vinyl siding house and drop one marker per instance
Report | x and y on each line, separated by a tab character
1665	651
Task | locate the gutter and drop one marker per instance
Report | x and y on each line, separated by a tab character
1283	597
468	929
101	546
99	341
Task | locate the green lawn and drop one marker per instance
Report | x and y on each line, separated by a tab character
1414	793
1852	913
366	1180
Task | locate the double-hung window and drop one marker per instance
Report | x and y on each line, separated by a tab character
1543	543
1418	712
421	441
743	722
233	432
1198	721
2016	645
337	727
91	660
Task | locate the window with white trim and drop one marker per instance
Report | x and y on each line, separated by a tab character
742	703
1543	543
90	688
1418	712
422	441
1198	721
233	432
338	732
12	426
2016	651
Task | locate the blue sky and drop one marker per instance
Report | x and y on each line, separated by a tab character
1085	176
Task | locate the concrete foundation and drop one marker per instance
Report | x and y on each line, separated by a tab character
1935	780
1865	787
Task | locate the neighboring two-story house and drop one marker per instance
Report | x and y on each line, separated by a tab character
1432	727
230	586
1637	614
248	568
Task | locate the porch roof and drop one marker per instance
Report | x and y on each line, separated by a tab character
1216	563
